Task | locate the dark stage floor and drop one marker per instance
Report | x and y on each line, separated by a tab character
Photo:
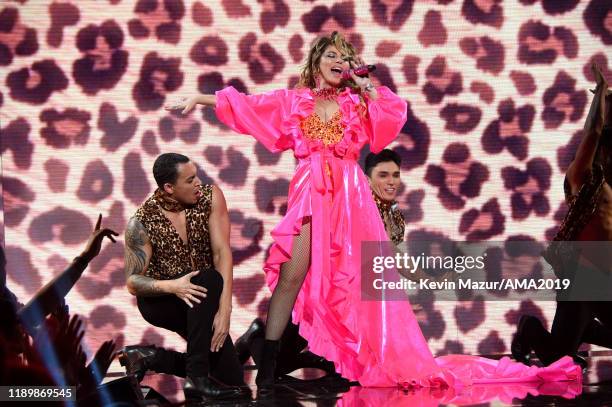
596	390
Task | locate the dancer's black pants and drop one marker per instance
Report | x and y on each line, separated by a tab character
195	326
575	322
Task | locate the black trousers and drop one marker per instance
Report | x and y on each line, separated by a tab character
575	322
195	326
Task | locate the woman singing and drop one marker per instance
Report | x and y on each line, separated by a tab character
314	265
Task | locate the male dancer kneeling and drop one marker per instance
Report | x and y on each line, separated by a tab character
178	264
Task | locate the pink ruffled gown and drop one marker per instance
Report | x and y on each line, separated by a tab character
378	343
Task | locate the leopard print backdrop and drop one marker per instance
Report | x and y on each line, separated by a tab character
497	93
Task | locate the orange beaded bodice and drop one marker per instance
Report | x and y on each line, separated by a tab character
329	132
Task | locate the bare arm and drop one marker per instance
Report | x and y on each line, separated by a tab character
51	296
580	168
188	104
219	227
138	252
206	100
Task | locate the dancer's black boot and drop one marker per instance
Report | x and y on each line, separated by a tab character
519	347
266	373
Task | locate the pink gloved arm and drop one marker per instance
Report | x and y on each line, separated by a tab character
386	116
260	116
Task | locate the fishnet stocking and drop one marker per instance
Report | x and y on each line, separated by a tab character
292	276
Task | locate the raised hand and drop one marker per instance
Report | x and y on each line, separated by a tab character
599	77
361	81
187	291
185	104
102	360
64	339
94	244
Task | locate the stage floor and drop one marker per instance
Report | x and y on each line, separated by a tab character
596	390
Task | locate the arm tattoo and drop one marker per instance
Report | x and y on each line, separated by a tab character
135	240
145	286
136	260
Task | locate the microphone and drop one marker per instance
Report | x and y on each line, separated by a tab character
363	70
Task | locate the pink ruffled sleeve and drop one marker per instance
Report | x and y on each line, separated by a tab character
386	116
260	116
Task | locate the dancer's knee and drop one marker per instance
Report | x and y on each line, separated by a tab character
209	278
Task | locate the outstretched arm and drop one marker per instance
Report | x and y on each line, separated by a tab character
188	104
261	116
52	294
580	168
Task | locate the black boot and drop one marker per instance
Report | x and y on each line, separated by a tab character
202	388
242	344
519	349
305	359
266	371
137	359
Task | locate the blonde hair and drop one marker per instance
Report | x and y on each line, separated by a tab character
310	69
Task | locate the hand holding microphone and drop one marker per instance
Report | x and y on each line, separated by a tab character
361	71
358	72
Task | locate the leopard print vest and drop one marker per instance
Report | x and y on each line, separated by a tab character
171	257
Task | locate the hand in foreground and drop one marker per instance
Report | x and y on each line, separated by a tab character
65	338
94	244
187	291
102	360
185	104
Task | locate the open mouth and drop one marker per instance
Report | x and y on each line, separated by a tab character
198	193
390	191
337	70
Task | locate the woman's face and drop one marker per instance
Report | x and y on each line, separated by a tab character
385	180
331	66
